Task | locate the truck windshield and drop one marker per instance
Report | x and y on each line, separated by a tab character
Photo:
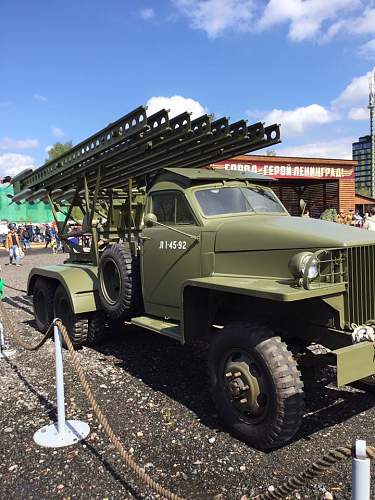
234	200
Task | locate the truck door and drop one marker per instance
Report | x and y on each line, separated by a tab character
168	257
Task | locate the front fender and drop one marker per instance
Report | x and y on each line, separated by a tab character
79	281
266	288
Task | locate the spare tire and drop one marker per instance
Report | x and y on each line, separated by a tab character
119	283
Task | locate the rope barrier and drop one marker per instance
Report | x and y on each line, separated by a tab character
102	419
295	483
312	471
16	289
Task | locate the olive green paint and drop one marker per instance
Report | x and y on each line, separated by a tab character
114	175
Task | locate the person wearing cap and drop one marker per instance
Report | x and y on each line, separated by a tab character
12	244
342	218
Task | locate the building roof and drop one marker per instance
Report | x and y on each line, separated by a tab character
363	200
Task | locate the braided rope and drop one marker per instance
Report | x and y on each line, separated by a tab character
313	470
16	289
129	461
26	345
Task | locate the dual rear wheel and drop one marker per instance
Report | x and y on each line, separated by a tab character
53	302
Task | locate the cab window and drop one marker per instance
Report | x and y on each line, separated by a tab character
171	208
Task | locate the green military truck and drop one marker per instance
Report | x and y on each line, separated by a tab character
167	244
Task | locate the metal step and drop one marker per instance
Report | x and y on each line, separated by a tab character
167	328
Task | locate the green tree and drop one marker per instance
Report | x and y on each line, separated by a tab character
58	149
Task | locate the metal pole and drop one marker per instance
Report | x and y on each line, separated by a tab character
2	340
59	381
360	472
63	432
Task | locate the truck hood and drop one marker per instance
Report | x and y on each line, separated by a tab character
266	232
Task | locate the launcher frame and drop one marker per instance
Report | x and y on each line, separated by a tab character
107	175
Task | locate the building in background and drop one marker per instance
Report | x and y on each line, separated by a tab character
34	212
363	171
322	183
364	151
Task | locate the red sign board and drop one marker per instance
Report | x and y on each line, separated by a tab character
280	170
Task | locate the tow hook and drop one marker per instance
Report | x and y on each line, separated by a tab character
363	333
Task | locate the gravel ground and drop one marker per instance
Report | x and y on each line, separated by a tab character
155	395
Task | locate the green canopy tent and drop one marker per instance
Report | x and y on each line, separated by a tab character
36	213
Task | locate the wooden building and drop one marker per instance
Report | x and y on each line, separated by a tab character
322	183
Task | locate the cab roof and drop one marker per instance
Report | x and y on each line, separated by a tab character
197	174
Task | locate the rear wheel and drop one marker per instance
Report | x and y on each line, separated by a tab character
96	328
43	293
77	326
256	385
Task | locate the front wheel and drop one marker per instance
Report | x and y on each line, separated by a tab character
256	385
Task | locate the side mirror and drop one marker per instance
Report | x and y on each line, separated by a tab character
150	220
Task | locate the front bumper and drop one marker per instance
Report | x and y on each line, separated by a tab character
354	362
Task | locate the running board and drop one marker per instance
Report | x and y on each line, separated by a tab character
167	328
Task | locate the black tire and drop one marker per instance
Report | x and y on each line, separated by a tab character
96	328
119	283
77	326
262	400
43	293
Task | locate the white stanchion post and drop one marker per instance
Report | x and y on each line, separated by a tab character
60	396
64	432
2	341
4	353
360	472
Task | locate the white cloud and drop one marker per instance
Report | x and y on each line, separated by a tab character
336	148
306	17
368	49
358	114
48	148
147	13
216	16
364	24
12	163
356	91
297	121
57	132
40	98
9	143
319	20
177	104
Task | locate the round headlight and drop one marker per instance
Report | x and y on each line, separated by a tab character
298	263
312	271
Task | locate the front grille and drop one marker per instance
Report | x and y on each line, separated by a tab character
361	286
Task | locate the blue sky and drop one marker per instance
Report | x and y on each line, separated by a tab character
69	68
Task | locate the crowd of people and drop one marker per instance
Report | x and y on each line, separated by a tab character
354	218
18	238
